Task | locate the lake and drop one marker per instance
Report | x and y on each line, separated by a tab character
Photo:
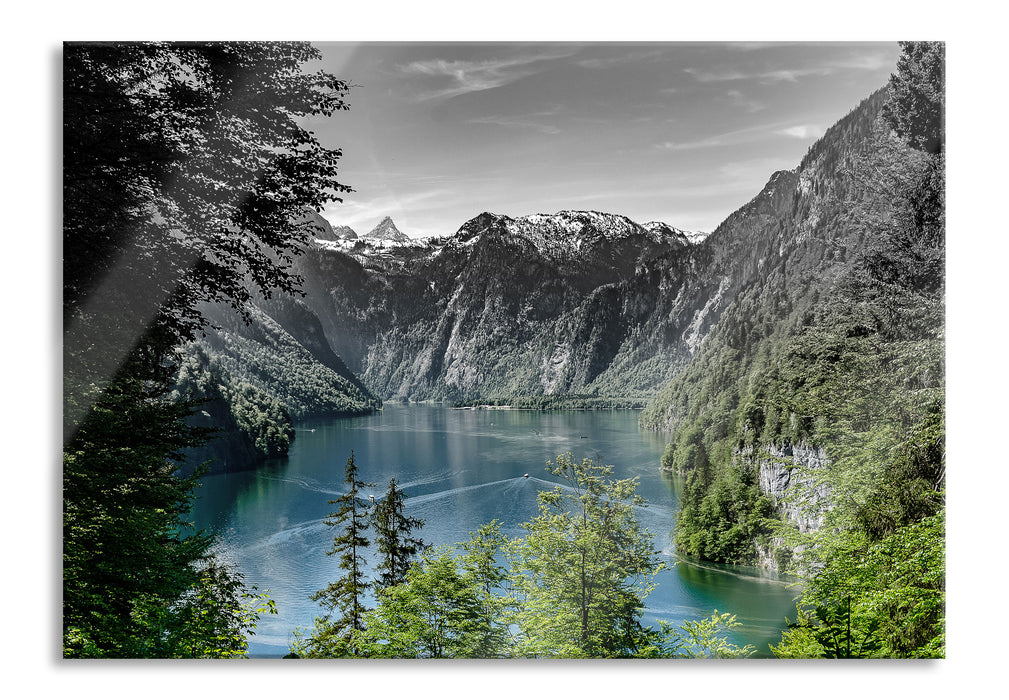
460	468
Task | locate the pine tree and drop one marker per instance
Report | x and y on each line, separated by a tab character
346	594
393	528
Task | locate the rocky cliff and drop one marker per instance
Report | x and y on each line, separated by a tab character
572	302
789	475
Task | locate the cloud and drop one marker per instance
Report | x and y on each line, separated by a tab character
748	134
862	61
726	138
362	212
770	76
533	121
608	61
745	103
512	123
711	142
801	131
475	76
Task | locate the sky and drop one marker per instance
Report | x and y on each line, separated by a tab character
681	133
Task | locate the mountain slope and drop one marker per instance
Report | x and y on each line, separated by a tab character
386	230
544	304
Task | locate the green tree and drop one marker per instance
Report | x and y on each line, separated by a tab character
584	567
346	595
917	95
393	534
697	639
136	581
186	176
875	573
438	611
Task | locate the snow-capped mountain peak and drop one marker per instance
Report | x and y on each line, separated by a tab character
386	231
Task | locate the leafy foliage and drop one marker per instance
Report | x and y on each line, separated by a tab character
698	639
572	587
853	363
440	610
136	582
583	568
185	176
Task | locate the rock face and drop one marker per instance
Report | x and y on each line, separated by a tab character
345	233
788	475
573	302
386	231
789	478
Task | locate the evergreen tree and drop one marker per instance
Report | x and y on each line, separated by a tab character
875	573
917	95
345	596
393	528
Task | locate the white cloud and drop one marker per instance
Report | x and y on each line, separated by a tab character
770	76
362	212
607	61
868	61
517	124
801	131
745	103
475	76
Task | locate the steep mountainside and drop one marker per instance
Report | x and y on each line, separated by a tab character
826	371
575	302
386	230
543	304
251	380
778	253
284	353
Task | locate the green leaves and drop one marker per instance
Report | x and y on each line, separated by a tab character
582	571
700	639
439	611
136	581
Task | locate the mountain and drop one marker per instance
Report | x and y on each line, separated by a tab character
579	303
345	233
386	230
252	379
575	302
542	304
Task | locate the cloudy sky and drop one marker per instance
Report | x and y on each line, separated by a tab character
681	133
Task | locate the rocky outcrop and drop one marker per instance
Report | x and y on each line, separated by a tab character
788	474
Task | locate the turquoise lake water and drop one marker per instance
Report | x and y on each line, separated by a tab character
460	469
